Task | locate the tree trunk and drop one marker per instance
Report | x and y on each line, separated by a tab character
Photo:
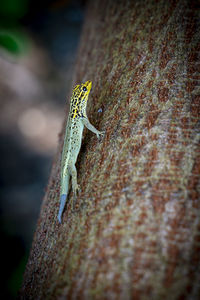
135	232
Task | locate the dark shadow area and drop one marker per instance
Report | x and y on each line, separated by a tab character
38	44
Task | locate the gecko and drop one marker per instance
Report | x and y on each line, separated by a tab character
77	119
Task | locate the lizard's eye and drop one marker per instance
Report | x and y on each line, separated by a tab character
84	89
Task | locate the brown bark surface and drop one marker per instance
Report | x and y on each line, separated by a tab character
135	233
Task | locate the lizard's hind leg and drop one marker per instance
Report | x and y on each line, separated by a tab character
75	186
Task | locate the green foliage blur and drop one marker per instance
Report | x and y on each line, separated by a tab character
13	38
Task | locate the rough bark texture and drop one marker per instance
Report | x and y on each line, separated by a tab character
135	233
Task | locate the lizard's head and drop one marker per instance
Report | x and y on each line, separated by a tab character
79	99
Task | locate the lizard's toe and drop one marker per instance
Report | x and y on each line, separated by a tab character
75	190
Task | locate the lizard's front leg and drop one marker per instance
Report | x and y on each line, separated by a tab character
87	123
73	173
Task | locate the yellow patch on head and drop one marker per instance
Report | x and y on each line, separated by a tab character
80	93
87	85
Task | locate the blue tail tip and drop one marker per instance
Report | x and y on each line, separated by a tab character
59	219
63	198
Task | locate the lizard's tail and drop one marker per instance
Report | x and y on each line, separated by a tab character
63	198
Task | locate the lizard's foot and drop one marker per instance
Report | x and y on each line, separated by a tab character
100	133
75	188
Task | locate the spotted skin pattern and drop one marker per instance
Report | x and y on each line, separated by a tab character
72	143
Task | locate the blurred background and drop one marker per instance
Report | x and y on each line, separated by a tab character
38	44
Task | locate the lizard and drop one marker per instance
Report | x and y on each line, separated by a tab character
77	119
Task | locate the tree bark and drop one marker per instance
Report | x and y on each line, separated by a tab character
135	232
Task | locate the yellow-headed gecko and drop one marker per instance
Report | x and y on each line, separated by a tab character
77	119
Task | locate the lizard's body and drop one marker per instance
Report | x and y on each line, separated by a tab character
77	119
